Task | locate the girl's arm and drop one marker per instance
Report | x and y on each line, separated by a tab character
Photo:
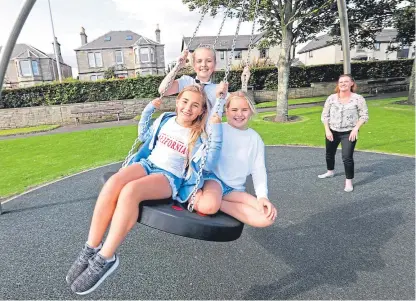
362	112
259	173
214	129
325	112
174	88
145	130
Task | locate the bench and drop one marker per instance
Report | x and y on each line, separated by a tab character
112	109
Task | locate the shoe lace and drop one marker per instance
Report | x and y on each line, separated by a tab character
96	265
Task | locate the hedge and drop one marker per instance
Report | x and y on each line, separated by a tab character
147	86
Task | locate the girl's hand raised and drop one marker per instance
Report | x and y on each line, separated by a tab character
215	118
157	102
221	90
182	59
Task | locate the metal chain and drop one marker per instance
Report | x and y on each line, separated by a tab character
250	45
204	12
171	79
244	82
240	19
222	24
191	204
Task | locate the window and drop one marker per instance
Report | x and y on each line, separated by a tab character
145	72
119	57
35	68
144	55
310	54
25	69
107	38
95	59
264	53
152	54
129	38
237	54
96	77
222	55
376	46
360	49
136	55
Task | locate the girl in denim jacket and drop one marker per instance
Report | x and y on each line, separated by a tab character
171	152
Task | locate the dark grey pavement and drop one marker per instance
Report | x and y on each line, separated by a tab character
325	244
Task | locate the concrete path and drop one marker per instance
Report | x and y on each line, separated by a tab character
325	244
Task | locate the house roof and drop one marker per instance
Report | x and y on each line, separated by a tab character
25	51
118	39
223	43
386	35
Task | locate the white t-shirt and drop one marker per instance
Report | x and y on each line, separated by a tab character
171	149
242	154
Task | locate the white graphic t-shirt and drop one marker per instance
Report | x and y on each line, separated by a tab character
171	149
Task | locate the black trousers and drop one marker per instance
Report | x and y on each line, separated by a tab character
347	152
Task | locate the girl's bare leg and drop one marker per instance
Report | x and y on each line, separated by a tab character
107	200
208	200
240	205
152	187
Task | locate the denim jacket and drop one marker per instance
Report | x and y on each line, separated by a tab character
149	135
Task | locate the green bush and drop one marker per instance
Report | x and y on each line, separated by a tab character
147	86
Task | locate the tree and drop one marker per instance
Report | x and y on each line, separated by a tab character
290	22
404	22
109	73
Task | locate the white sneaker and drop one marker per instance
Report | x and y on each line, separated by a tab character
348	189
326	175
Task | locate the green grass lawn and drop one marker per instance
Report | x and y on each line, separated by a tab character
27	162
32	129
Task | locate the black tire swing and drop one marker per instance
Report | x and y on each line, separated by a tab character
172	217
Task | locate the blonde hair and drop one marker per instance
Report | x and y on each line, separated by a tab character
198	125
244	95
353	87
214	54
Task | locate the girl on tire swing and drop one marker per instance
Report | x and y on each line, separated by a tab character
170	153
241	154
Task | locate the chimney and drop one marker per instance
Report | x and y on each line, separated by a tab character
157	31
83	36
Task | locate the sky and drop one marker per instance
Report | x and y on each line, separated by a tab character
101	16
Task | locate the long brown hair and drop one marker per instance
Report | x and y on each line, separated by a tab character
198	125
353	87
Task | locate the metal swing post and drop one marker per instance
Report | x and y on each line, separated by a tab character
7	50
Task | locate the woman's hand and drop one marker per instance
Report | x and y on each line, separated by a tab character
221	90
157	102
182	59
329	135
266	207
245	76
215	118
353	135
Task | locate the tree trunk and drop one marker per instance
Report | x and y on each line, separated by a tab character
283	72
411	98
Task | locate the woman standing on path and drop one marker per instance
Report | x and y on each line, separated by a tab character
343	114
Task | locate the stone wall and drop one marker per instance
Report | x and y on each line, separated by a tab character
33	116
24	117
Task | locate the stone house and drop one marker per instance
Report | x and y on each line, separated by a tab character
127	52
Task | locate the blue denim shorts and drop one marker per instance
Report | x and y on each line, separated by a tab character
225	188
174	181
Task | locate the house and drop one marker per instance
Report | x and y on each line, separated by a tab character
322	50
29	66
223	47
127	52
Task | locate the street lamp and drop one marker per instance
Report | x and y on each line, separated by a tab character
345	38
55	46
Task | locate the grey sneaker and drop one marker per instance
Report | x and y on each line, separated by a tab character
81	263
98	269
